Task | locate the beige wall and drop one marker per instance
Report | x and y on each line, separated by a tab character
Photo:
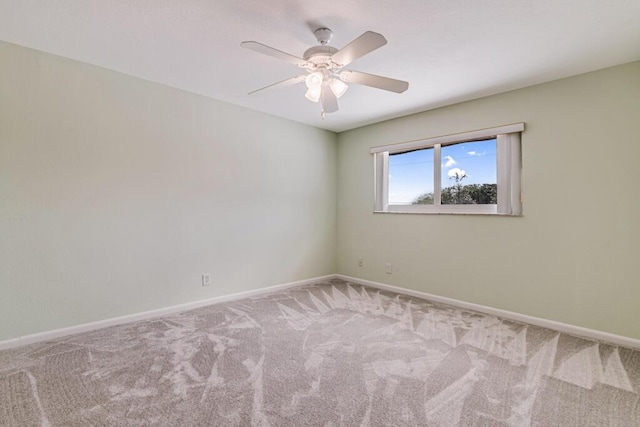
572	257
117	193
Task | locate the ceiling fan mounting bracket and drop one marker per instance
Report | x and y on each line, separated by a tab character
323	35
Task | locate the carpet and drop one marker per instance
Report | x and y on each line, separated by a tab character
328	354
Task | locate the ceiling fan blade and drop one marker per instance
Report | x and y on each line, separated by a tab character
329	100
384	83
359	47
275	53
283	83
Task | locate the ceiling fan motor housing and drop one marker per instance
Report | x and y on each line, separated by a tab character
320	56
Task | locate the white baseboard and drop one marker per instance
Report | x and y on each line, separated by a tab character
92	326
550	324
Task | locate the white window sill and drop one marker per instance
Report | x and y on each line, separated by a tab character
445	213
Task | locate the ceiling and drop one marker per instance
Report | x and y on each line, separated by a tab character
449	50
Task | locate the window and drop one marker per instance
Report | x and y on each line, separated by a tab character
475	172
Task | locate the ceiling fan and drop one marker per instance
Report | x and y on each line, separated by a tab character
325	78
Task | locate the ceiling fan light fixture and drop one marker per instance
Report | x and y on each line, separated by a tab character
313	94
338	87
314	81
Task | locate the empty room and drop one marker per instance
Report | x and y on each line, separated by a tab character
337	213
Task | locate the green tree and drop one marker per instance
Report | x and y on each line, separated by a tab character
457	196
425	199
476	194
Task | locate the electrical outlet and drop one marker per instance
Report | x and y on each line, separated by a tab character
360	262
206	279
388	268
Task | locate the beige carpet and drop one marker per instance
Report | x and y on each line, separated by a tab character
330	354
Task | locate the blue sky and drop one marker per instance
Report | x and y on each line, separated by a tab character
411	174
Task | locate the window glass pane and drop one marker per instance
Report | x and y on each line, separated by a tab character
411	177
469	173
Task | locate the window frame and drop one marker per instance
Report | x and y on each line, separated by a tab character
508	172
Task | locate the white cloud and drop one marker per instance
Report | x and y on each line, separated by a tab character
456	171
475	153
450	161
